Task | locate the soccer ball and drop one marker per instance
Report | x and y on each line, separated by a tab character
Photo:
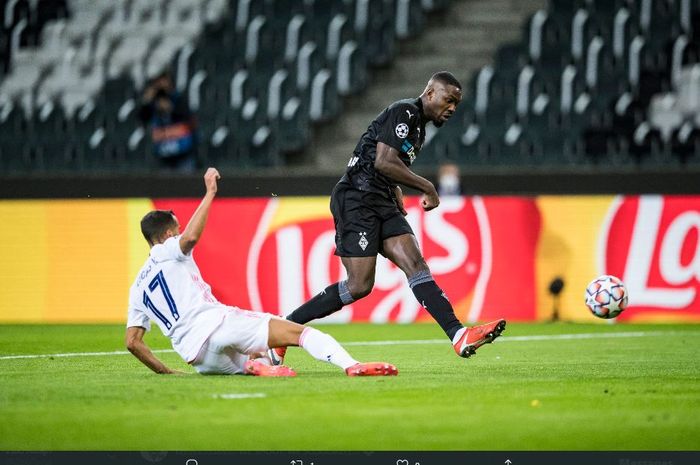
606	296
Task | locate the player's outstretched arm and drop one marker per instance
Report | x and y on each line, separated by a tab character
193	231
389	164
136	345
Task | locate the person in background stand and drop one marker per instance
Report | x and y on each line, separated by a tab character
172	124
448	180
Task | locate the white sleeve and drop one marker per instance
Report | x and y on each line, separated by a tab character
137	317
169	250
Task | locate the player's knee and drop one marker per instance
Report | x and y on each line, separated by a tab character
364	292
284	333
361	288
416	265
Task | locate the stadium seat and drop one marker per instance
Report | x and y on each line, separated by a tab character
408	18
339	33
139	152
351	69
510	58
645	142
293	127
375	29
13	129
50	122
685	143
298	33
220	148
263	147
309	62
324	103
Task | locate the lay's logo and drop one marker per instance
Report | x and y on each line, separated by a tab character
653	243
293	259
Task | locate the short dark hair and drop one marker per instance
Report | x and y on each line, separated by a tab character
156	223
446	78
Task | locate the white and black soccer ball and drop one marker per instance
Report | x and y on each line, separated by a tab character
606	296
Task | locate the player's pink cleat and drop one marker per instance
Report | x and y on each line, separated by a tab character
276	355
477	336
372	369
258	368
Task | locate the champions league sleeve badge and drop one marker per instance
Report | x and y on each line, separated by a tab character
401	130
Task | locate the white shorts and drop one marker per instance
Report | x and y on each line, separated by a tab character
242	332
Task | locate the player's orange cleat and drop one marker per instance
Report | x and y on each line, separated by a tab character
372	369
477	336
276	355
258	368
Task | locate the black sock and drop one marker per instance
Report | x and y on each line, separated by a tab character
323	304
431	297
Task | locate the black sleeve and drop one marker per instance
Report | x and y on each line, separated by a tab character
400	121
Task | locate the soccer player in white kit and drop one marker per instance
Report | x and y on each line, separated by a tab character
213	337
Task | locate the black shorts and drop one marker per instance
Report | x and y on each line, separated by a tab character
363	220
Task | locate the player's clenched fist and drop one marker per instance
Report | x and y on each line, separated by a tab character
429	200
210	178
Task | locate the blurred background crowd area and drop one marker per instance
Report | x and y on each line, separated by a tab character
90	86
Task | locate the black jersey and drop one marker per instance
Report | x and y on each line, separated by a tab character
402	126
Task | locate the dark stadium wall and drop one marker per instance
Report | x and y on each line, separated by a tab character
291	182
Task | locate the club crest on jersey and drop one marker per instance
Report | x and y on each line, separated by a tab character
401	130
363	240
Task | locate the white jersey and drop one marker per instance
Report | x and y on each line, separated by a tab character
170	290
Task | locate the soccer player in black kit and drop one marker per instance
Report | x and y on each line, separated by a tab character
368	211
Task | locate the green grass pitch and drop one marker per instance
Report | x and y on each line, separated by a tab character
539	387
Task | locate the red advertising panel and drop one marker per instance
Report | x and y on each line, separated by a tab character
474	246
651	242
493	256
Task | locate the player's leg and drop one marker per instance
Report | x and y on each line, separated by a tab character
238	347
360	271
403	250
322	347
240	335
214	360
357	229
360	281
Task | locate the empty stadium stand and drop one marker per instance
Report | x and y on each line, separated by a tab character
258	74
588	83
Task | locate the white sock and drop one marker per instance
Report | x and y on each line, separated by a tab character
323	347
458	335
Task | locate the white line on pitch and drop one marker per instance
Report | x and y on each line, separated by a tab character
78	354
543	337
251	395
